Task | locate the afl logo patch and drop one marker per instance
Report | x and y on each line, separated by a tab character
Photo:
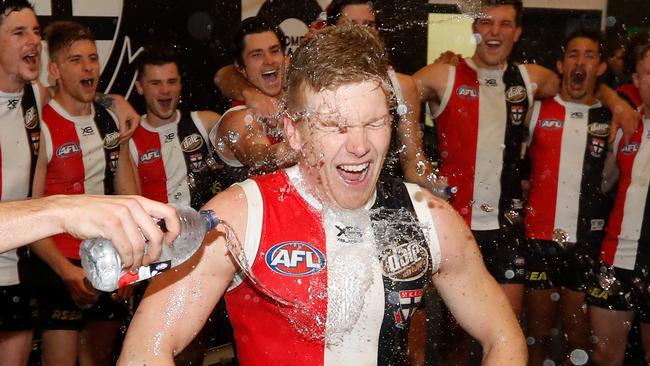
630	148
551	124
295	259
111	140
192	142
31	118
467	92
150	156
67	150
516	94
406	262
599	129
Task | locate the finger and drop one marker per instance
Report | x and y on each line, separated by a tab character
136	237
164	212
143	213
612	133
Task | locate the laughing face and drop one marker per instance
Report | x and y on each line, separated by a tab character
497	32
20	42
580	67
361	14
160	85
263	62
76	70
343	140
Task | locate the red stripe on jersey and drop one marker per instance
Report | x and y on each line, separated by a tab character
632	92
265	331
151	167
65	171
625	156
457	128
545	151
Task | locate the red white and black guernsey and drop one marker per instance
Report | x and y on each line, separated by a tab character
19	143
568	147
82	155
356	287
175	162
480	131
627	238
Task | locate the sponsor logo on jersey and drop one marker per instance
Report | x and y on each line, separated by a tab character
597	147
150	156
31	118
598	129
551	124
111	140
516	94
577	115
35	138
406	262
170	137
67	150
517	114
197	163
12	103
467	92
348	234
295	258
597	224
536	276
192	142
630	148
87	131
490	82
113	159
408	301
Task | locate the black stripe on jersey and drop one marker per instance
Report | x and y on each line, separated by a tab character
643	249
592	206
393	204
32	128
109	132
516	109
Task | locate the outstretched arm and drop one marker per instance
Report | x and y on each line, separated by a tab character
177	303
472	295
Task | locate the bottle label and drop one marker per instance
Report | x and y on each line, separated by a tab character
144	272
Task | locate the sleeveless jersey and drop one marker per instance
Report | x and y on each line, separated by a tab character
357	288
480	130
568	147
175	162
392	164
82	154
19	143
631	94
627	238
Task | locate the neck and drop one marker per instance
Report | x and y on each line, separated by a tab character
11	83
587	99
156	121
479	63
73	106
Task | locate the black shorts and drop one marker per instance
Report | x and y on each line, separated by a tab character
621	289
502	253
549	265
18	308
56	308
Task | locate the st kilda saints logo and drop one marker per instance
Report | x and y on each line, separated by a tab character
115	47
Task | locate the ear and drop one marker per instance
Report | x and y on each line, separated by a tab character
138	87
292	133
241	69
53	70
602	68
560	66
517	33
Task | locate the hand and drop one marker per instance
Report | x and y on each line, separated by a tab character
74	279
126	220
449	58
127	117
625	118
260	103
122	294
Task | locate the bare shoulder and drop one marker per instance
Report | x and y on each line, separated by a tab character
431	80
208	118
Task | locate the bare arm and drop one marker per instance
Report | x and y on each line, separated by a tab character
431	82
126	180
127	117
234	85
623	115
251	146
177	303
472	295
209	119
545	82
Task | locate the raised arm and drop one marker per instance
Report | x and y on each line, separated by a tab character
623	115
234	85
177	303
472	295
546	83
431	82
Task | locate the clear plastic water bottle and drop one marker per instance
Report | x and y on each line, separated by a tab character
440	187
103	266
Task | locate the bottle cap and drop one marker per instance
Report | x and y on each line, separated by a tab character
211	218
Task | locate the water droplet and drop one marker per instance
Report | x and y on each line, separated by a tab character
510	274
530	341
579	357
555	296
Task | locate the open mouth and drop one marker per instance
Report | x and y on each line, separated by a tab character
353	173
165	103
88	83
30	58
270	76
493	44
578	76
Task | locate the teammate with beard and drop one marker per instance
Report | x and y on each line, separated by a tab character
566	209
328	212
242	137
80	153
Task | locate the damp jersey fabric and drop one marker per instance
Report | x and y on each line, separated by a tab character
82	154
480	131
174	161
18	112
568	146
356	288
627	238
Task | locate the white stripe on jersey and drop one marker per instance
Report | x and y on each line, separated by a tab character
489	158
572	153
635	200
423	213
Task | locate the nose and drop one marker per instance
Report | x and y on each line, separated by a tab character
34	38
268	58
357	141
